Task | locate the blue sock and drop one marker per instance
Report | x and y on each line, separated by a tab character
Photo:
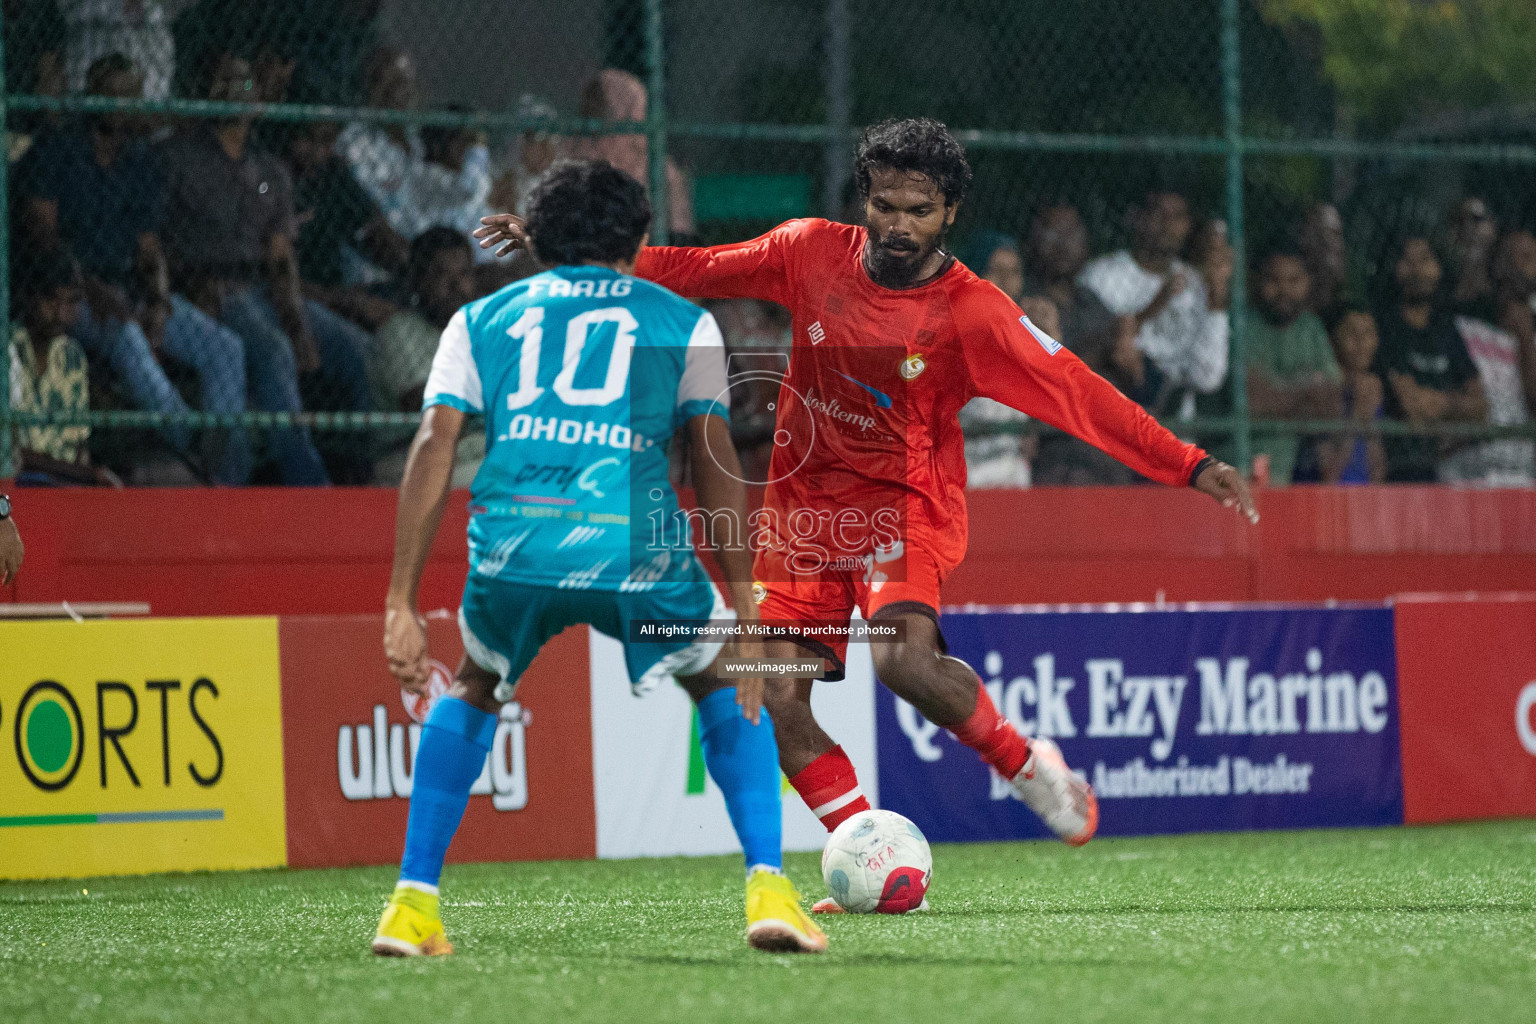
454	742
743	759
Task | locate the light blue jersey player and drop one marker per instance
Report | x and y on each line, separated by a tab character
584	375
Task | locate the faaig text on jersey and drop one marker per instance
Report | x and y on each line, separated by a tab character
1109	703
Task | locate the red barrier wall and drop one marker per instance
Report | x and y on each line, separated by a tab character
291	552
336	693
1466	678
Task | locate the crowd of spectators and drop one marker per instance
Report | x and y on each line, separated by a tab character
1440	331
233	264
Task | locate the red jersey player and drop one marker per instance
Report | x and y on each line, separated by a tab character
865	502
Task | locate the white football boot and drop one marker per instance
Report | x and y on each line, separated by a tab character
1064	802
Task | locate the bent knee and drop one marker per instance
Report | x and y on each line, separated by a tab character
903	664
784	701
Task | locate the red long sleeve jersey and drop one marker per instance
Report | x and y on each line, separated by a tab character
866	416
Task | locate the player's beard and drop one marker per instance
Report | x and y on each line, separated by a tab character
898	267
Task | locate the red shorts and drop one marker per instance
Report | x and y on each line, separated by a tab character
895	581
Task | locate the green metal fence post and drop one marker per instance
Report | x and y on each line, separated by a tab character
656	120
839	109
1232	124
6	451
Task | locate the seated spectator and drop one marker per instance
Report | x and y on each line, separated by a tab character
1180	311
1321	239
616	95
537	151
1422	360
998	451
35	34
1359	459
996	457
96	189
440	278
1499	335
322	43
229	233
454	185
49	374
416	189
1055	252
1470	233
137	29
339	226
994	257
386	158
1514	278
1291	370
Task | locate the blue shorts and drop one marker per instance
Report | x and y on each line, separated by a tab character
504	624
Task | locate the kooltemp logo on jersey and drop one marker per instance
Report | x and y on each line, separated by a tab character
834	410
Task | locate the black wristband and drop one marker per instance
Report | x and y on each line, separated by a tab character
1201	467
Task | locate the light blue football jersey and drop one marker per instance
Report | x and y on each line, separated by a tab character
583	376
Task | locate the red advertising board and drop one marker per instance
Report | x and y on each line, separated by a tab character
349	750
1466	675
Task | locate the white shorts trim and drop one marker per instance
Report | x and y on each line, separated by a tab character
690	660
482	655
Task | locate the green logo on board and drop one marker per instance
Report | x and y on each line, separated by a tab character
49	735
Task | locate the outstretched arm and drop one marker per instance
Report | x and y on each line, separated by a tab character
1016	363
758	269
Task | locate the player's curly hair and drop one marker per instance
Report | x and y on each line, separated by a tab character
918	144
587	210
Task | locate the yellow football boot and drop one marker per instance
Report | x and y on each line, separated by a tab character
775	921
410	926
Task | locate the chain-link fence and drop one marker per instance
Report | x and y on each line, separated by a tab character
235	229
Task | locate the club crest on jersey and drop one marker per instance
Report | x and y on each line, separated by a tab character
912	366
1050	344
759	592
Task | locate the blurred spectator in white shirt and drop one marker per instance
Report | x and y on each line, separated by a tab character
1180	310
1500	335
417	186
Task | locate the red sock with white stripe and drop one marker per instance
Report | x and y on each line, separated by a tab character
992	736
830	788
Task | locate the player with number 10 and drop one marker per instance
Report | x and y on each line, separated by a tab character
583	374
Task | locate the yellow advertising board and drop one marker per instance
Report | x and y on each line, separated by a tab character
129	747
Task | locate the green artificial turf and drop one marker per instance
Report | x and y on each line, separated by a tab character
1425	924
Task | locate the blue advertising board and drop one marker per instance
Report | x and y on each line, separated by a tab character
1183	721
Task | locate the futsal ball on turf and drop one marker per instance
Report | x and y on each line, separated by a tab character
877	862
